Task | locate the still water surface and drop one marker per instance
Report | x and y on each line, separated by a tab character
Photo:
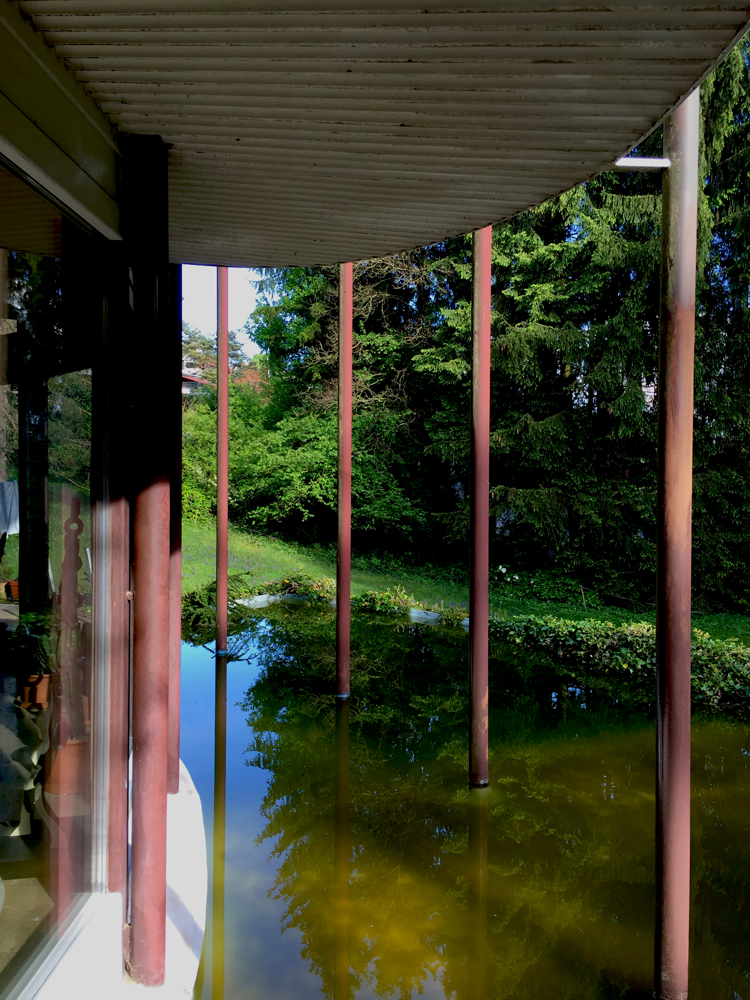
358	864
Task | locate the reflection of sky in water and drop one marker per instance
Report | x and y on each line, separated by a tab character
261	962
570	853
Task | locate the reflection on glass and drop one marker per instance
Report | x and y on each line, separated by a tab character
45	584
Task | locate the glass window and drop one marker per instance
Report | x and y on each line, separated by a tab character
46	575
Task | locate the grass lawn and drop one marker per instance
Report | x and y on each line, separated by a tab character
260	559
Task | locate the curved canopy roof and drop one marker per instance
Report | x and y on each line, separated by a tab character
313	131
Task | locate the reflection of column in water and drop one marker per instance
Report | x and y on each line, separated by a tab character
220	810
478	875
341	849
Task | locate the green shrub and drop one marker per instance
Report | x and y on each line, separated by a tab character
452	615
720	668
297	585
387	602
9	562
197	504
589	649
542	585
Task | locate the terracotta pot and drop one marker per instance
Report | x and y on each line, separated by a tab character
36	691
11	590
70	770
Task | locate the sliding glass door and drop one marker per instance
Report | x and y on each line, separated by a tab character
48	350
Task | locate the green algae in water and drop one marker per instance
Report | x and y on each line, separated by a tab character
400	881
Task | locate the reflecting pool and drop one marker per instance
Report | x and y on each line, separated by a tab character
359	864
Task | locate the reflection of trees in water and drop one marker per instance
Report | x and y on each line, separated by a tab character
399	787
557	846
570	828
396	887
720	860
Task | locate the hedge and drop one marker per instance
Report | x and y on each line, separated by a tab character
720	668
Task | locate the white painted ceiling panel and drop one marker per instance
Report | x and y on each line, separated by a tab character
307	132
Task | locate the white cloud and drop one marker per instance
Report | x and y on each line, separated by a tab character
199	300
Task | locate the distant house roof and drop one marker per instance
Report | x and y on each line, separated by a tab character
194	378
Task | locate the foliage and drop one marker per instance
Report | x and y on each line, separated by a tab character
9	561
544	585
197	503
297	585
199	352
387	602
69	429
591	649
720	668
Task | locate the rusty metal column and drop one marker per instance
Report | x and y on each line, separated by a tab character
675	478
344	556
480	507
145	218
222	601
175	528
222	460
150	731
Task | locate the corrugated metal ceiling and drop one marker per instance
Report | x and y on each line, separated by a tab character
311	132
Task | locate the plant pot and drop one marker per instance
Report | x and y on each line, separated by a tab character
11	590
70	769
36	691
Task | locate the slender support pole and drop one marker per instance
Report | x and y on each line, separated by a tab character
175	529
675	460
220	814
341	849
222	461
145	189
480	507
344	558
222	600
